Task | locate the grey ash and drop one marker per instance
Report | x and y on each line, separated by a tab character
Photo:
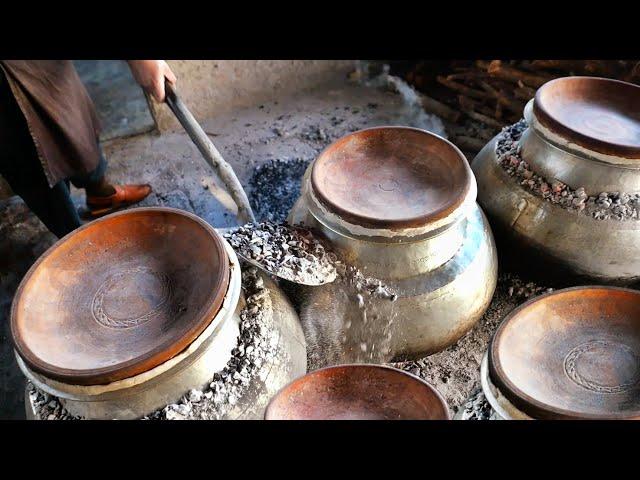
289	252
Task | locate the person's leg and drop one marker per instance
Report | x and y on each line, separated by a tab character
21	168
95	183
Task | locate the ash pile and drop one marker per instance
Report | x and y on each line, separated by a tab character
285	251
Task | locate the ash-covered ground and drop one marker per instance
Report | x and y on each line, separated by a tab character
269	146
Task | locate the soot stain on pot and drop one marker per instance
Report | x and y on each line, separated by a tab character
607	205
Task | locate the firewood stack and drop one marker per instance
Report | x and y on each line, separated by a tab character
476	99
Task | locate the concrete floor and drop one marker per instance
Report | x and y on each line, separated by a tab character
298	126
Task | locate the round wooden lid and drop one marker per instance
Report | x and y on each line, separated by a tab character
391	177
119	296
358	392
599	114
571	354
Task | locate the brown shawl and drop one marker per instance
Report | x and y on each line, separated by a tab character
60	115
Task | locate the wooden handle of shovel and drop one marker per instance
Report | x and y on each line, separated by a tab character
210	153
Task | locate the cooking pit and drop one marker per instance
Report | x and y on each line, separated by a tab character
270	146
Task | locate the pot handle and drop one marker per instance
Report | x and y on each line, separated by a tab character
209	152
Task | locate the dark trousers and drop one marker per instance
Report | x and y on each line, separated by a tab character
21	168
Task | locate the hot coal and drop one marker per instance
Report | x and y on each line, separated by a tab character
521	290
275	186
606	205
47	407
288	252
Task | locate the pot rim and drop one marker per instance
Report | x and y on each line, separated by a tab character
152	358
145	379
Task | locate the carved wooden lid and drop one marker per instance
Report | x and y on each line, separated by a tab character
571	354
391	177
119	296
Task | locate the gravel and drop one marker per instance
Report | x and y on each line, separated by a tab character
292	253
47	407
607	205
275	186
476	407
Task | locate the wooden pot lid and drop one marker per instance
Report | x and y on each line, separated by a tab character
571	354
391	177
119	296
358	392
598	114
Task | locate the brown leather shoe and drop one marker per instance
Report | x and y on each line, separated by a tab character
125	195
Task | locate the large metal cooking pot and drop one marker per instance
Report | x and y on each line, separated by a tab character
399	204
133	396
584	133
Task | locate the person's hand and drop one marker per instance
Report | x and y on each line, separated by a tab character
150	74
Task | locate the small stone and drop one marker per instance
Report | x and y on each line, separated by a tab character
195	396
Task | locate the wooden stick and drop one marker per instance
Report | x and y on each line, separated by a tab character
459	87
469	74
496	69
468	143
210	154
511	104
484	119
467	103
432	105
524	93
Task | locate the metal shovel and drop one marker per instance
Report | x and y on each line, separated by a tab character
223	170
